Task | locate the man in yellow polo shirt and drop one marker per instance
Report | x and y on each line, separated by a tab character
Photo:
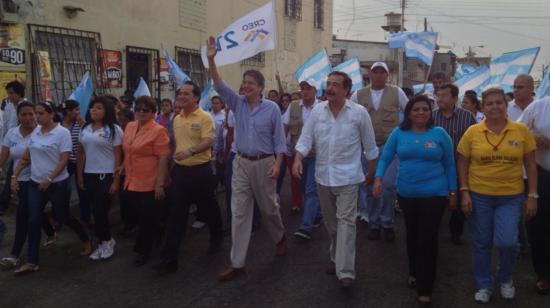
192	177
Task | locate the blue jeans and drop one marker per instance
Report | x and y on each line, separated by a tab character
381	211
494	222
363	206
312	209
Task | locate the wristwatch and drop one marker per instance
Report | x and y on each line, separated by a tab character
533	195
193	151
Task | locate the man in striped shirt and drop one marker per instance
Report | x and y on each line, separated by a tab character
455	121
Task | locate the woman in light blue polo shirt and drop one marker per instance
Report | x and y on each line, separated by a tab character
49	148
99	155
15	144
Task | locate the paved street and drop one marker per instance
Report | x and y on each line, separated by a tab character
297	280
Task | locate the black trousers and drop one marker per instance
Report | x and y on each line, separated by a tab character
538	228
188	184
457	220
97	192
148	210
422	219
128	212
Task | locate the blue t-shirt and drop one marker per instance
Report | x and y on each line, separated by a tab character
426	163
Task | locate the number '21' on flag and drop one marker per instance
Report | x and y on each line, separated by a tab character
246	37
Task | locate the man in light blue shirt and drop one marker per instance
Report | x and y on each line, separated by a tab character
260	143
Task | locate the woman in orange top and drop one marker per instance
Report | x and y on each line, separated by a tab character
145	145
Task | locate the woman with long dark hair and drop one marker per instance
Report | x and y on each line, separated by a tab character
48	155
16	143
99	156
425	184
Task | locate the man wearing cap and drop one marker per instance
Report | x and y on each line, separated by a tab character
260	142
383	102
340	131
294	118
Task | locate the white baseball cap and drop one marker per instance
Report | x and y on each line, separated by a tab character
380	64
311	82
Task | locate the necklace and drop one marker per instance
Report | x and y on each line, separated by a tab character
495	146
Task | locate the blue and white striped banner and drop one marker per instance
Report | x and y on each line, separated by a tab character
206	96
506	67
463	69
477	80
419	88
544	87
316	68
83	93
353	69
180	77
142	89
420	45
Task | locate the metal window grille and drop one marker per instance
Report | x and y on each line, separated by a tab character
257	60
71	53
191	63
318	14
145	63
293	9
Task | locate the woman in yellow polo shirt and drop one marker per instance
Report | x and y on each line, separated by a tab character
491	156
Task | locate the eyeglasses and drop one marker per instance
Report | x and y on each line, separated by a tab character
138	109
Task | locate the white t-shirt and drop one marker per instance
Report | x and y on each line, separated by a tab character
536	116
99	148
46	150
305	112
376	96
514	111
18	145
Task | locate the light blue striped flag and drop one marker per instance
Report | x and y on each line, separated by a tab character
477	80
419	88
83	93
353	69
463	69
142	89
544	87
206	96
420	45
506	67
179	75
316	68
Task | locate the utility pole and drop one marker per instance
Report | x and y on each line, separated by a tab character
425	24
400	58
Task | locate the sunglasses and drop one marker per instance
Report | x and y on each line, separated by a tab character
142	110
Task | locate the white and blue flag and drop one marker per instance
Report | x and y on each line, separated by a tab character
316	69
249	35
477	80
420	45
353	69
206	96
463	69
83	93
420	88
142	89
506	67
544	87
179	75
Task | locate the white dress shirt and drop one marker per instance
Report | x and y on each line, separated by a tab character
305	112
338	143
514	111
537	117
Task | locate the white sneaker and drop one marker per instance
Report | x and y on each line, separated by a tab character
198	224
109	249
96	255
364	218
507	290
483	296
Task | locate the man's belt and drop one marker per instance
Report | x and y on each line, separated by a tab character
255	157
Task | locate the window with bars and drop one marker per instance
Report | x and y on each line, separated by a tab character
257	60
191	63
318	14
293	9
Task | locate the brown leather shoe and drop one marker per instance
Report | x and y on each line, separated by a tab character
231	273
281	248
346	283
331	269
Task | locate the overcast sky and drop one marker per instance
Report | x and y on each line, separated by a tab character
499	25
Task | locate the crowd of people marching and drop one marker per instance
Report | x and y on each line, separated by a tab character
351	156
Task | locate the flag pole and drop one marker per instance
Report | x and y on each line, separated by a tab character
533	63
427	76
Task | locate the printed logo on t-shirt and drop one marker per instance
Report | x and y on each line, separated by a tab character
195	126
430	145
514	143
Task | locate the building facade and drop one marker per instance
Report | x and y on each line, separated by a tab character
54	42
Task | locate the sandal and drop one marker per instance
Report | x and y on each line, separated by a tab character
9	262
542	290
50	241
411	282
27	268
